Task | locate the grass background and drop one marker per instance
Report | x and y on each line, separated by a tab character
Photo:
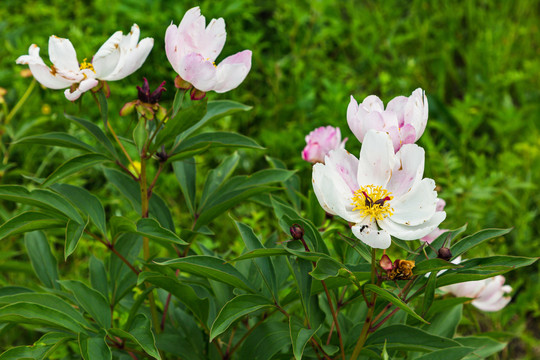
478	62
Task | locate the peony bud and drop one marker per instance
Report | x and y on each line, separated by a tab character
297	232
320	142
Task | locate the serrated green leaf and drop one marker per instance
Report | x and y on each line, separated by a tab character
42	259
91	300
235	309
387	295
210	267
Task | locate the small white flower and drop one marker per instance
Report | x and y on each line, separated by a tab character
119	57
382	193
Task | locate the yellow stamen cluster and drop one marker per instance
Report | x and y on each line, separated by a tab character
373	201
213	62
86	65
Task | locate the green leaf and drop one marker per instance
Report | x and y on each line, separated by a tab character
44	199
91	300
139	134
56	139
74	165
141	334
265	341
94	348
178	100
40	350
453	353
218	175
103	107
445	323
88	203
120	225
483	346
74	232
300	336
186	174
151	229
95	131
216	139
403	337
185	118
210	267
310	256
387	295
184	293
473	240
235	309
215	110
42	259
429	294
443	239
433	265
29	221
35	314
264	265
98	276
47	300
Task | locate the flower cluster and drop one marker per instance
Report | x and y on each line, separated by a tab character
191	48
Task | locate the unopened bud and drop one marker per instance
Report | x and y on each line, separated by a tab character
180	83
197	94
444	253
128	108
297	232
385	263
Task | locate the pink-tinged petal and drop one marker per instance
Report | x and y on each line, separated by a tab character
198	71
372	103
320	142
492	306
354	124
106	58
408	169
191	16
62	54
42	73
333	193
407	134
172	50
232	71
213	40
377	159
416	206
313	153
440	204
469	289
368	233
397	106
84	86
433	235
411	232
416	111
345	164
394	134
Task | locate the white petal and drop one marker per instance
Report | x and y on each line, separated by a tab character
107	56
232	71
172	47
377	159
131	60
214	39
333	193
416	206
368	233
416	111
406	232
42	73
198	71
345	165
62	54
492	306
190	17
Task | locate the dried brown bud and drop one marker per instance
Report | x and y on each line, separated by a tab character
444	253
402	270
297	232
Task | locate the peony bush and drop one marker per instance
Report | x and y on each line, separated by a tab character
359	269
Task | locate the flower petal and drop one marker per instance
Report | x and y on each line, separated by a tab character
172	39
345	164
377	159
84	86
198	71
42	73
416	111
62	54
416	206
106	58
407	232
408	169
368	233
232	71
213	39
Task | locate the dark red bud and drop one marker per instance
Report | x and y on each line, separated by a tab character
197	94
385	263
297	232
444	253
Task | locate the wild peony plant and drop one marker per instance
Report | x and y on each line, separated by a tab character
313	287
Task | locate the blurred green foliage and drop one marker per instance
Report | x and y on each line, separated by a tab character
478	61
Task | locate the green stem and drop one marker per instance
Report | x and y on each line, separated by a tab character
371	309
20	102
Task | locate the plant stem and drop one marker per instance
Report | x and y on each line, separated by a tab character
120	144
20	102
110	246
371	309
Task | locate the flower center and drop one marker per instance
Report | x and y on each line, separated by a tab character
213	62
372	200
86	65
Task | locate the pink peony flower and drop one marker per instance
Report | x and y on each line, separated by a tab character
437	232
319	143
404	119
192	49
488	294
382	193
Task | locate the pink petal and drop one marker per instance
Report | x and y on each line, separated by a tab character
408	169
198	71
232	71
